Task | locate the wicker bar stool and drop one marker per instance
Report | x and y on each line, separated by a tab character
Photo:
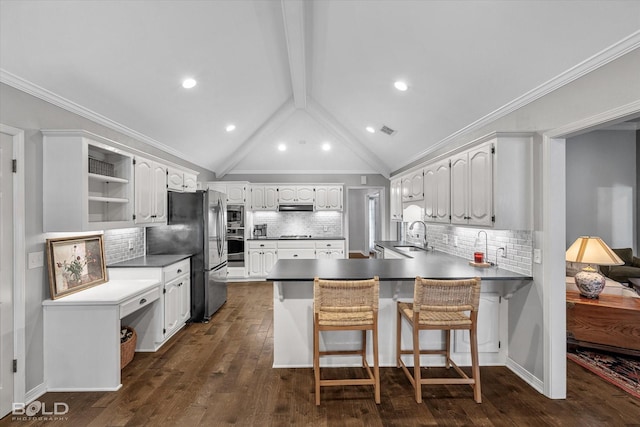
441	305
341	305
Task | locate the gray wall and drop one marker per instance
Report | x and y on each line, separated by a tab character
602	188
23	111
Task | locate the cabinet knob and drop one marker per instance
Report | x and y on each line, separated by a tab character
262	246
295	255
143	300
180	284
179	270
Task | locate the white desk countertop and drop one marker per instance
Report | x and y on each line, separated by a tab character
111	292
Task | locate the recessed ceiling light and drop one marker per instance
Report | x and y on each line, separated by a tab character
282	147
326	146
400	85
189	83
230	128
370	129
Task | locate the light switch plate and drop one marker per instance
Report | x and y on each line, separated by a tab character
537	256
36	259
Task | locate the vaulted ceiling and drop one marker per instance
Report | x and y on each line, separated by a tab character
302	73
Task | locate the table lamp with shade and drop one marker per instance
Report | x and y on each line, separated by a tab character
591	250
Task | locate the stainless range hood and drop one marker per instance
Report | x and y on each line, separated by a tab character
295	208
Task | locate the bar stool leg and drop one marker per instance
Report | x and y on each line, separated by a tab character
447	343
416	360
398	338
475	367
376	366
364	348
316	360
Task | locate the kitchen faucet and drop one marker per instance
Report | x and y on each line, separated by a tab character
424	239
486	244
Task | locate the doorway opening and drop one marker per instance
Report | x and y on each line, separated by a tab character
365	207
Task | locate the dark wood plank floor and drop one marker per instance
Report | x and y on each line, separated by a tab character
220	373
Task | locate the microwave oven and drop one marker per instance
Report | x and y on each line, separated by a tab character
235	215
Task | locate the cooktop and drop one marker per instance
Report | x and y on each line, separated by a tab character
295	236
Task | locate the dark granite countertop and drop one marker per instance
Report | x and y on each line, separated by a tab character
150	261
299	238
428	264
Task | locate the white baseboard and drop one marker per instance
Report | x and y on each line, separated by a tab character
34	393
525	375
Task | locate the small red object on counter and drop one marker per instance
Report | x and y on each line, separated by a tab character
478	257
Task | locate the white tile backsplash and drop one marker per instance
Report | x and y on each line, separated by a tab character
317	224
518	244
116	244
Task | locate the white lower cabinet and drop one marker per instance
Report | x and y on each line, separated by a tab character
329	249
262	257
175	299
295	249
491	333
263	254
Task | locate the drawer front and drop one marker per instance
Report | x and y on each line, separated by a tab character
133	304
330	244
296	253
175	270
295	244
263	245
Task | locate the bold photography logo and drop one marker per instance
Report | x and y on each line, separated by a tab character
39	409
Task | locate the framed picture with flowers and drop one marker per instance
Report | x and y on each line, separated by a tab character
75	264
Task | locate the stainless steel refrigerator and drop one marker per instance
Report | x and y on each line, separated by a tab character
196	224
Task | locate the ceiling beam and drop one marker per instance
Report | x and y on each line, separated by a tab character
277	119
327	120
295	36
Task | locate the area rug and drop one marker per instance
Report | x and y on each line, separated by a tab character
620	370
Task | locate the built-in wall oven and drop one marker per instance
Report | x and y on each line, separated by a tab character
235	235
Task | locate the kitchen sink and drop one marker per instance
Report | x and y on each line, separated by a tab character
409	248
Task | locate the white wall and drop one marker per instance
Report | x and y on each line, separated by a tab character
601	187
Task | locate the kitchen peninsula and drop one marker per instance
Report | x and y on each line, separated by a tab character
293	304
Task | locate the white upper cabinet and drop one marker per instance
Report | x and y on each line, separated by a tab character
472	187
437	192
264	197
492	183
396	199
150	192
237	192
87	182
413	187
328	197
179	180
190	182
296	194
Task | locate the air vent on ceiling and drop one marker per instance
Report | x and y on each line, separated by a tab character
387	130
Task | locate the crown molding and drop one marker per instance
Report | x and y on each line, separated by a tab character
302	172
590	64
595	122
59	101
